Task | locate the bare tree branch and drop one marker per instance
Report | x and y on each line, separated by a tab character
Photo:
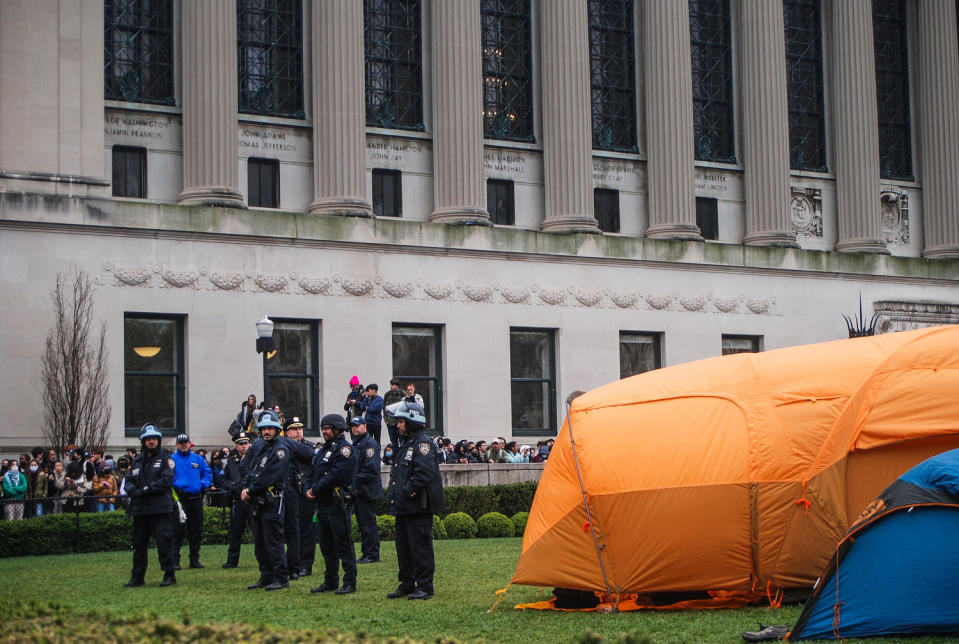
76	387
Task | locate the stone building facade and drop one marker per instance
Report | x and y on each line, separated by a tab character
501	201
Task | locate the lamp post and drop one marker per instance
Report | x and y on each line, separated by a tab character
264	344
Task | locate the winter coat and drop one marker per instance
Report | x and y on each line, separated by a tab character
416	486
16	491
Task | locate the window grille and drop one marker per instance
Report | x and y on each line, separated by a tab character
710	41
804	79
269	39
394	68
612	75
507	70
892	89
138	51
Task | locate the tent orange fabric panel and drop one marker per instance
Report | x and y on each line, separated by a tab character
736	473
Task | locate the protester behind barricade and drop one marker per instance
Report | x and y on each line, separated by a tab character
514	455
105	489
14	488
372	408
461	454
215	495
496	454
391	397
75	483
36	489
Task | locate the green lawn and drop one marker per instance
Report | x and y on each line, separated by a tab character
468	574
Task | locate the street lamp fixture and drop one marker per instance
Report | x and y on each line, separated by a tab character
265	345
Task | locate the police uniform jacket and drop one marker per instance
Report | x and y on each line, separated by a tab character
150	482
193	475
236	471
416	485
268	464
368	470
301	465
334	467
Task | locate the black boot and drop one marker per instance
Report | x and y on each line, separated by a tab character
401	591
169	579
134	582
195	563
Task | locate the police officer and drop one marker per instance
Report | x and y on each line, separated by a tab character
149	485
307	552
415	495
193	475
236	472
302	462
334	477
268	464
368	489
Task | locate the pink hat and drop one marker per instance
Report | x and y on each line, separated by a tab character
354	381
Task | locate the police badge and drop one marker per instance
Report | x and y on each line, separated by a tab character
346	451
369	452
263	462
170	463
424	448
281	453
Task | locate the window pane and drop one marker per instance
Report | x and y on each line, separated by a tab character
150	344
638	353
413	351
740	344
292	342
138	50
394	83
529	354
892	89
293	397
606	209
707	217
612	75
709	26
530	404
807	119
507	70
270	57
151	399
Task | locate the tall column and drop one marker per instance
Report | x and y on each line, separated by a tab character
765	125
459	187
567	118
939	128
339	109
669	121
856	129
209	104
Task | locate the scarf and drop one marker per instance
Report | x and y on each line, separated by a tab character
12	478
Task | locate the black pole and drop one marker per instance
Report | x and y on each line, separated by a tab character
266	387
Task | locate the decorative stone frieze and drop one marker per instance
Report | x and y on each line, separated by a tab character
903	316
894	215
806	211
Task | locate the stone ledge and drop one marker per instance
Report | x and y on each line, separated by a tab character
125	217
477	474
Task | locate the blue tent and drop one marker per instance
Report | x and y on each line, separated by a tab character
896	571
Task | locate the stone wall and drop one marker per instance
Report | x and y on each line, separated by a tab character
477	474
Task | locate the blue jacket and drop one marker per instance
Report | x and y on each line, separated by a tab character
368	483
372	409
193	475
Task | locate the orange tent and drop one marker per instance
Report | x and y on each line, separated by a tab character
736	473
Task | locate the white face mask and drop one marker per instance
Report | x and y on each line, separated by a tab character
34	468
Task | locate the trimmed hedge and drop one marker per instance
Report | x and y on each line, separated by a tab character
460	525
494	524
519	523
104	531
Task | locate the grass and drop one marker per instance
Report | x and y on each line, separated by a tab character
468	574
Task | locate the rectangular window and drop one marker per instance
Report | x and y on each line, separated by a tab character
387	193
606	209
507	70
394	69
269	39
138	51
892	89
804	82
639	352
612	63
532	361
742	344
129	172
707	217
154	389
291	371
263	183
418	359
499	201
710	34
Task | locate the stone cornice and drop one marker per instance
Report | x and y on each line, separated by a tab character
232	225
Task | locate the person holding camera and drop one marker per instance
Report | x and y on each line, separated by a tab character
332	486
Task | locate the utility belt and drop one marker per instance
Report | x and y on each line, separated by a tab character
338	496
185	496
267	499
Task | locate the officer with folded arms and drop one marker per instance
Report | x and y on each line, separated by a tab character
233	482
149	486
368	489
193	475
415	495
332	485
268	464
